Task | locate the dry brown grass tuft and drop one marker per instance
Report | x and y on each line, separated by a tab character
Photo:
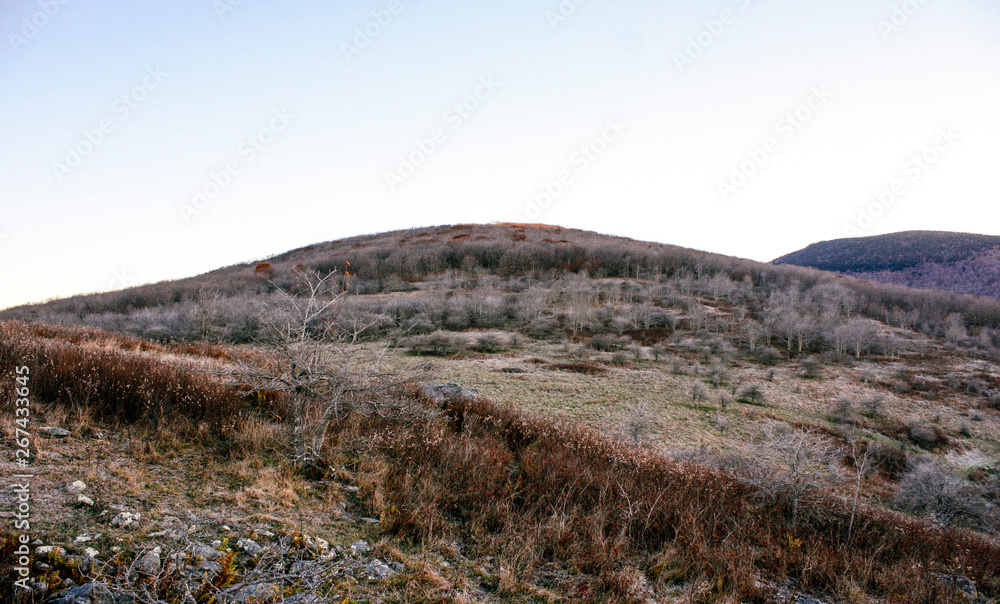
532	492
112	383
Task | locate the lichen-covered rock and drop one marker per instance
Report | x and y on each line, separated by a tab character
88	593
77	486
253	593
126	519
249	546
448	392
963	584
209	553
149	563
360	547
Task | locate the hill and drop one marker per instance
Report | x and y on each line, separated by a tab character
960	262
401	260
622	421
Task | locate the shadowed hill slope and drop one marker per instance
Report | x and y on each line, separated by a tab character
961	262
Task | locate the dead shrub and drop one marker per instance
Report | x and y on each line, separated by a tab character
116	385
891	461
934	490
751	394
930	438
609	343
556	492
489	343
440	344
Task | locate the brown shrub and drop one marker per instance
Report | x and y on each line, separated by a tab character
931	438
113	384
584	368
558	492
891	461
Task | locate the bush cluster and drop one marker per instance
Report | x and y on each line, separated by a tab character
112	383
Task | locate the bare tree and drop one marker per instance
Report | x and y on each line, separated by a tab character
806	459
787	324
638	421
753	332
698	393
954	326
856	334
306	362
861	458
933	489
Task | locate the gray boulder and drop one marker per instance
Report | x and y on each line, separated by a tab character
255	592
250	546
89	593
209	553
448	392
963	584
149	563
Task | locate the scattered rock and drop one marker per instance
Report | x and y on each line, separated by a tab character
83	500
379	570
350	488
84	538
807	600
48	551
77	486
249	546
226	528
126	519
963	584
209	553
51	456
54	432
91	552
149	563
257	592
371	520
448	392
88	593
360	547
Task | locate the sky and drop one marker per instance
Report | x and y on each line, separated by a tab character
150	140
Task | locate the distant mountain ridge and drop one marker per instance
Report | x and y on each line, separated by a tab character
964	263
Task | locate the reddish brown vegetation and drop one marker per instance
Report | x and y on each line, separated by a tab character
534	491
584	368
111	383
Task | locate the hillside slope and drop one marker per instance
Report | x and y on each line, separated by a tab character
621	422
960	262
403	260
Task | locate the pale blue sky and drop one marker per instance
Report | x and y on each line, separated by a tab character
202	84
